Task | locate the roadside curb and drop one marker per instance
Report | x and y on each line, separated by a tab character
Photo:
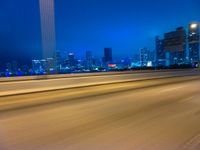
88	85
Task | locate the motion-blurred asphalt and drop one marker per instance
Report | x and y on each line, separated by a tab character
157	114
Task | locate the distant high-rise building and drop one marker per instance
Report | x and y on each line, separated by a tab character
146	57
175	46
9	67
108	55
50	64
71	61
97	62
136	58
39	66
43	63
135	61
36	66
88	55
15	66
25	69
160	52
89	60
194	43
43	66
58	60
12	67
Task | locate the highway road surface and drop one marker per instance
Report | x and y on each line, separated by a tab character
157	114
46	83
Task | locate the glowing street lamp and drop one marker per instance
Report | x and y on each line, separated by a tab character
193	26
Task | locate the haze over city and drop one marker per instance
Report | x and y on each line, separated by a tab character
125	26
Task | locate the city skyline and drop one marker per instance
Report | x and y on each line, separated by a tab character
99	74
124	31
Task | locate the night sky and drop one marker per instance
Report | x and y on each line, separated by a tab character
124	25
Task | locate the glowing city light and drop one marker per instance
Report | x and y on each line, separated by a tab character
194	25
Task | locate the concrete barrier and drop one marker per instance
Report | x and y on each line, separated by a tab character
30	86
57	76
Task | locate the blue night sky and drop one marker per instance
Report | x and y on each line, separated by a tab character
124	25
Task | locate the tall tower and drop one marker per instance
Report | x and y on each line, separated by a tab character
89	60
108	55
160	53
175	46
194	42
47	18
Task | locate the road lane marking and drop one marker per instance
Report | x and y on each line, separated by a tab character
173	89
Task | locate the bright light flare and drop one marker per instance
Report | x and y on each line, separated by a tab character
194	25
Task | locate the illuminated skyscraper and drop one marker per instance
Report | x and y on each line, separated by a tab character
71	61
172	50
160	53
146	57
175	46
89	60
194	43
47	28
